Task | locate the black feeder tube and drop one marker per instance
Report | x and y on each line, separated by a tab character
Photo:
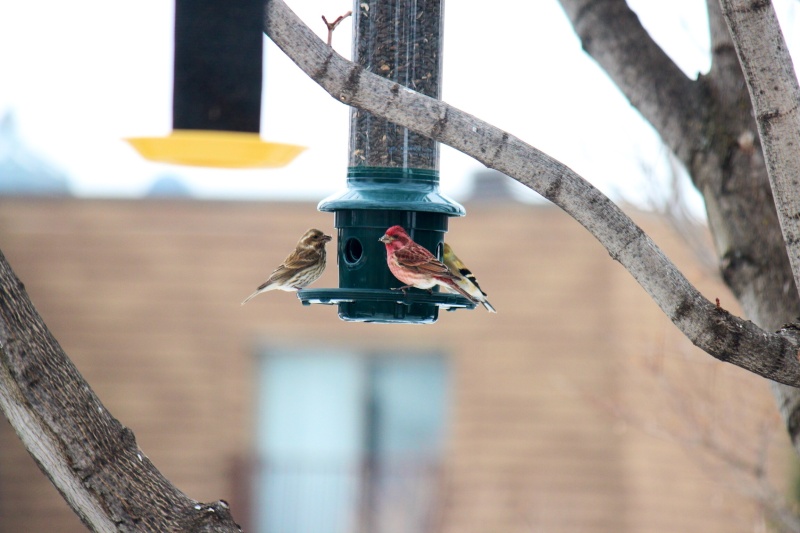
218	65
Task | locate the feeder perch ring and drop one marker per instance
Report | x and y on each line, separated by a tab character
446	301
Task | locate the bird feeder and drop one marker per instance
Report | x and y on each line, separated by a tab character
393	174
216	99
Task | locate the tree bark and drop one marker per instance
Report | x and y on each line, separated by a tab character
769	75
90	457
774	92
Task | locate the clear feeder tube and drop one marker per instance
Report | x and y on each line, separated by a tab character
399	40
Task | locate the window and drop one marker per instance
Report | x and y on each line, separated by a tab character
349	443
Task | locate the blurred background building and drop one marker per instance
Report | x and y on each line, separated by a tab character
577	408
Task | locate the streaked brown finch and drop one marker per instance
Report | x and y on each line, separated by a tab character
301	268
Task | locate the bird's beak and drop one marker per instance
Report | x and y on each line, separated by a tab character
386	239
326	238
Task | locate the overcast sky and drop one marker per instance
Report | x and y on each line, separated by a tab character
82	75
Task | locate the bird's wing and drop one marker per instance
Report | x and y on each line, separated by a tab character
456	266
471	277
417	257
296	261
275	274
299	260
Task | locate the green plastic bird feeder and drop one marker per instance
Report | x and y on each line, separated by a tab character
393	175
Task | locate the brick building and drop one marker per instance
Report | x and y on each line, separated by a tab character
577	408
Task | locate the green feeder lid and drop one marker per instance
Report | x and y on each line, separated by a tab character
376	199
402	189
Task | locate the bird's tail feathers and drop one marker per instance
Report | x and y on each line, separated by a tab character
250	297
454	286
263	288
470	276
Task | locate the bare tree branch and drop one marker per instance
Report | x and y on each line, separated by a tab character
720	334
612	34
775	95
90	457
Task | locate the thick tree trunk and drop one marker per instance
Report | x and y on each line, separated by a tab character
774	93
89	456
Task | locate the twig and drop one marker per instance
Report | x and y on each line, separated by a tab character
332	25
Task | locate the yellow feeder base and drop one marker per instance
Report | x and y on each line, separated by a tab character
222	149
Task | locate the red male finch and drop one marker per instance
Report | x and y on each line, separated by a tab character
415	266
466	279
301	268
